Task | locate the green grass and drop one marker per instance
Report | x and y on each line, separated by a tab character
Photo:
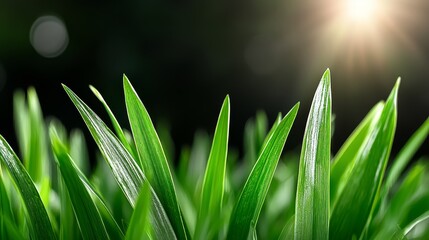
136	192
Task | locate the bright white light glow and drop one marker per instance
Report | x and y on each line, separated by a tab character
361	10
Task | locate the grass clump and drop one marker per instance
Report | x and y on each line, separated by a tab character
135	192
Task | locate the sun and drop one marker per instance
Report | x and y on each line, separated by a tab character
361	10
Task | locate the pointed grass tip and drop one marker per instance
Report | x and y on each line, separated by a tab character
394	93
327	76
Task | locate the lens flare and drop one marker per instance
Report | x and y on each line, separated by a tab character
361	10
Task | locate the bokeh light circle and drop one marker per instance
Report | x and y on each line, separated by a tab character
48	36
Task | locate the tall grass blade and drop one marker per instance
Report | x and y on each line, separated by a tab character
402	233
69	228
112	226
79	151
36	155
398	208
118	129
355	204
152	157
345	159
247	208
405	155
89	219
214	179
40	226
22	126
9	230
412	225
125	169
270	133
5	204
5	211
139	227
288	230
312	197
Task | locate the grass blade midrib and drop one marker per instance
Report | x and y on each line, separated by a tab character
357	202
252	197
152	157
125	170
214	178
89	219
38	217
312	199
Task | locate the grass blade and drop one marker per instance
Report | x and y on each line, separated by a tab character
405	155
152	157
402	233
355	204
270	133
112	226
115	123
69	228
139	227
89	220
288	230
9	230
22	127
36	155
312	197
40	226
247	209
5	204
214	178
345	159
125	169
6	230
398	209
79	150
413	224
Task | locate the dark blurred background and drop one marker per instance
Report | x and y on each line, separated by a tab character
183	57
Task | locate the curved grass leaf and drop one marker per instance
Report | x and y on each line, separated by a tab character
355	204
247	209
22	127
40	226
261	128
288	230
152	157
9	230
214	178
405	155
30	129
89	219
5	204
6	229
139	227
79	150
115	123
345	159
125	169
35	159
398	208
413	224
273	128
402	233
69	228
112	226
312	197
